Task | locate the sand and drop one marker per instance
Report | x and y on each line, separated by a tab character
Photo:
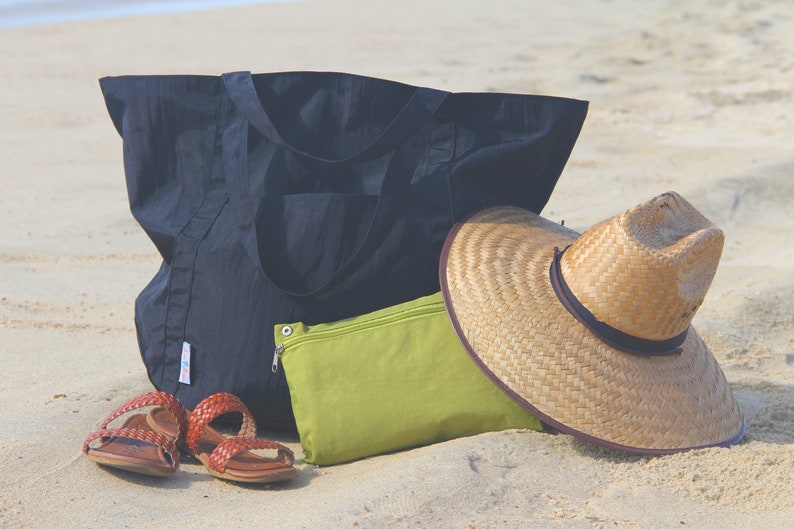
687	96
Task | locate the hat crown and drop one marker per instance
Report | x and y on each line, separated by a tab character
646	272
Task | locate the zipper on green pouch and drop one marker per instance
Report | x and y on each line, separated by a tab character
341	330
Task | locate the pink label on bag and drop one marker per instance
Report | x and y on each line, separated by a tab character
184	365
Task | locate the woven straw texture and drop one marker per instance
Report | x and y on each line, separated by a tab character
644	272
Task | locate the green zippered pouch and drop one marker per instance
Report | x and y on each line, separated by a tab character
389	380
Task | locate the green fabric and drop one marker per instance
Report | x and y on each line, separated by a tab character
392	379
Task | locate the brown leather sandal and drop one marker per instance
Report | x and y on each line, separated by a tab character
134	446
227	458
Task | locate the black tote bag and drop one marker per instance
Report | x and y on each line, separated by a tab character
307	196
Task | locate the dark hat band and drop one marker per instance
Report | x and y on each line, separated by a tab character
606	333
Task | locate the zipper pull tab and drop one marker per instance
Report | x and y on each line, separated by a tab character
276	354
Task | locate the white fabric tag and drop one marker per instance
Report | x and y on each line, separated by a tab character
184	367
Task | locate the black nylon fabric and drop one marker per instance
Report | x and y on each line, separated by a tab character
308	196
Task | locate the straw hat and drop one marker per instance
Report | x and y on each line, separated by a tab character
591	333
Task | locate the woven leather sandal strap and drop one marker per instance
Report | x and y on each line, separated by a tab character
212	407
149	436
225	451
154	398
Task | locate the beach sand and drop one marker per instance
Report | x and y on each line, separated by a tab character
687	96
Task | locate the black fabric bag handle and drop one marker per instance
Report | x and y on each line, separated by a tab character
418	111
392	187
420	108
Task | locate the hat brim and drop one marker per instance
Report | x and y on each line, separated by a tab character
495	280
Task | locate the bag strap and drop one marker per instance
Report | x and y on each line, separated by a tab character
418	111
393	187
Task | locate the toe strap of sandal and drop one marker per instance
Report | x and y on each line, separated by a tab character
213	407
154	398
225	451
149	436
